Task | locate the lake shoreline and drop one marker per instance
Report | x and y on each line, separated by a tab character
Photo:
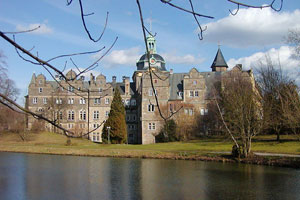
276	161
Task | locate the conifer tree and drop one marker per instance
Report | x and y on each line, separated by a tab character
116	122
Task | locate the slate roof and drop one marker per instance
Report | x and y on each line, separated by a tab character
219	60
141	62
176	85
121	87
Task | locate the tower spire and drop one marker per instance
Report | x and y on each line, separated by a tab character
219	63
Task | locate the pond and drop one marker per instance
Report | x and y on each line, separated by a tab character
33	176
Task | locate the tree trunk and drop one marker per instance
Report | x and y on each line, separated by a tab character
278	136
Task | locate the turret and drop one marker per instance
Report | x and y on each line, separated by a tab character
219	64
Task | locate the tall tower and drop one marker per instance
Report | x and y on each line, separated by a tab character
151	42
219	64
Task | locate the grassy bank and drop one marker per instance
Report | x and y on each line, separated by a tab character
209	149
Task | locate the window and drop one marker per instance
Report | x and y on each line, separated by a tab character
106	113
127	118
70	126
40	110
45	100
180	94
82	101
186	111
202	111
71	101
40	90
71	115
150	92
96	114
40	82
171	107
194	82
133	117
133	102
96	137
191	112
127	102
196	93
151	108
206	111
34	100
70	89
97	101
58	101
60	115
82	125
100	90
191	93
82	115
151	126
96	125
131	127
106	100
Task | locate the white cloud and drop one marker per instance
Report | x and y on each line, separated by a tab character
44	29
252	27
283	56
120	57
172	58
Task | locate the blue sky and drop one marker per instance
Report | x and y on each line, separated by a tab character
244	38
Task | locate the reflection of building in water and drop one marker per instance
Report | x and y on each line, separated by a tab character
78	113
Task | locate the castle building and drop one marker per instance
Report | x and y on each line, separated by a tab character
81	106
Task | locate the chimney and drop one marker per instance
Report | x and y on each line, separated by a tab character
126	81
92	78
57	77
114	79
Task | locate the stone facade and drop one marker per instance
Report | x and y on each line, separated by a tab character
82	106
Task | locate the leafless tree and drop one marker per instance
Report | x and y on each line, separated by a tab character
272	83
290	103
293	39
239	105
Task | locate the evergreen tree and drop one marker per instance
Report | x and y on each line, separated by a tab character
168	132
116	122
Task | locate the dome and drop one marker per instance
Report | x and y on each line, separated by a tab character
156	60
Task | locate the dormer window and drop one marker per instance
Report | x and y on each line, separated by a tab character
40	90
70	89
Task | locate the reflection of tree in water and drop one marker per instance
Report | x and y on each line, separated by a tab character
124	177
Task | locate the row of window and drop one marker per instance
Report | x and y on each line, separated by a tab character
70	126
131	127
96	137
70	100
82	115
130	118
190	111
194	93
129	102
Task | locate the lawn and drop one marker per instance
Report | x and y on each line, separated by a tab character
50	142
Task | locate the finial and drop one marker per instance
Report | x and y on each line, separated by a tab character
150	21
219	44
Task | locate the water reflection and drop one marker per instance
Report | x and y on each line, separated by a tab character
27	176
